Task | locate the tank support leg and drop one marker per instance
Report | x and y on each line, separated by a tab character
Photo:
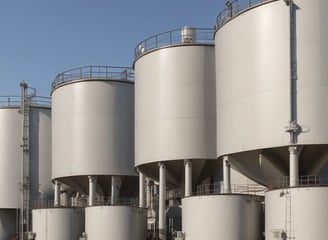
116	186
141	189
188	178
92	190
226	175
57	194
293	166
162	205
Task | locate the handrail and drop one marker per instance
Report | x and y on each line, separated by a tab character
93	72
175	37
234	8
83	202
218	188
302	181
15	101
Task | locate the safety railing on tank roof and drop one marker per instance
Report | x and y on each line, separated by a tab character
234	8
175	37
93	72
83	202
15	101
218	188
302	181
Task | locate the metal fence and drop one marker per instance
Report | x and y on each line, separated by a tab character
234	8
174	37
15	101
93	72
302	181
83	202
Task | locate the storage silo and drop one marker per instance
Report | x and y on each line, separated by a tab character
15	168
271	72
93	140
175	123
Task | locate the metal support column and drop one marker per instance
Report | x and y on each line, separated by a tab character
116	185
162	205
226	175
57	194
188	178
141	189
92	190
293	166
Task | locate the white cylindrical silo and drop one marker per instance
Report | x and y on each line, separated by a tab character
271	80
175	103
93	132
211	217
58	223
115	222
299	213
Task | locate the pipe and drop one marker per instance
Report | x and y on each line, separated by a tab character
188	178
148	193
293	166
57	194
226	175
162	205
92	190
116	185
141	189
64	199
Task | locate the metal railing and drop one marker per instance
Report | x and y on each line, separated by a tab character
93	72
302	181
83	202
15	101
234	8
218	188
174	37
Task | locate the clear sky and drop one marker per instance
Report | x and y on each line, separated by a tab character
41	38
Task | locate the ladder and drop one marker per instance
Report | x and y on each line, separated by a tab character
24	220
288	216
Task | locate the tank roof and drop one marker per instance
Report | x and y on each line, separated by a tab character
175	37
236	7
93	72
14	101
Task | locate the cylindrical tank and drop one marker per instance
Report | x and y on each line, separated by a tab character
7	223
269	71
211	217
58	223
116	222
11	151
299	213
93	125
175	103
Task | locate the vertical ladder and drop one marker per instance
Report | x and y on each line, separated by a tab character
25	166
288	216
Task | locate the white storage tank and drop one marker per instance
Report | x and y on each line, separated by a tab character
211	217
175	102
115	222
298	213
271	78
11	154
58	223
93	127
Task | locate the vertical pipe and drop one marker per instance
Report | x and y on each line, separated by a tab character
148	193
141	189
92	190
116	185
226	175
188	178
162	206
64	199
57	194
293	166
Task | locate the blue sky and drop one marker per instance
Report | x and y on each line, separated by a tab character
40	38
